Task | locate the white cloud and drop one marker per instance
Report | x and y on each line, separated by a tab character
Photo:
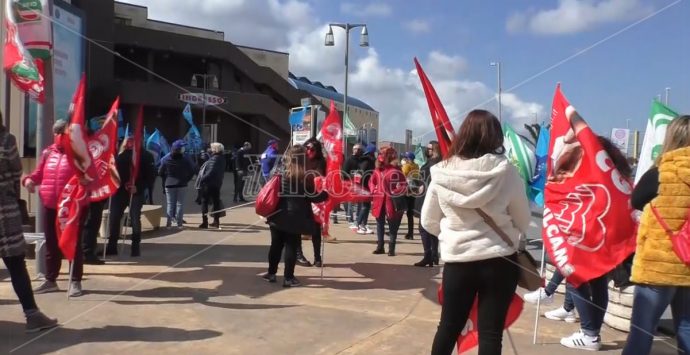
573	16
418	26
393	91
369	10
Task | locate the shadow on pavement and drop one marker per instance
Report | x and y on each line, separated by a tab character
62	338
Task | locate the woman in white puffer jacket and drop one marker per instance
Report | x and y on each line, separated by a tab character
476	175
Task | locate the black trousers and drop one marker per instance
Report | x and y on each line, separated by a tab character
21	282
315	242
238	180
494	282
430	244
210	195
410	214
89	235
280	239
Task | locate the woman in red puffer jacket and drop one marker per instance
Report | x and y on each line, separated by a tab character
52	173
387	182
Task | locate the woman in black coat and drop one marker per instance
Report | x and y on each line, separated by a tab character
208	182
294	215
316	166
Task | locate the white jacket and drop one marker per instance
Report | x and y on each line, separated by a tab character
458	186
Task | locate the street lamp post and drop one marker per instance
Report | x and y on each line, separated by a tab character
668	92
498	70
363	42
214	84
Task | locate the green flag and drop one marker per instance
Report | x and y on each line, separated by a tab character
419	156
350	129
653	141
521	155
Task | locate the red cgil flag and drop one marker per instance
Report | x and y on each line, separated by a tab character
469	337
24	71
75	195
136	146
103	147
588	225
439	117
332	137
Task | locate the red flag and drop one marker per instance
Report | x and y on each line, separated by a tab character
439	117
25	72
332	137
469	337
75	194
73	199
136	147
588	221
103	145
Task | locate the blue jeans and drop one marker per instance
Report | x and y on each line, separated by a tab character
363	213
350	211
591	300
553	284
174	197
649	304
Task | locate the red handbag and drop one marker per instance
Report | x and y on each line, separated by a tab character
268	197
679	240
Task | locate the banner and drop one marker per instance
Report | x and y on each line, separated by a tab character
187	114
33	23
73	200
419	155
469	337
654	135
332	137
103	147
439	117
588	226
25	72
620	138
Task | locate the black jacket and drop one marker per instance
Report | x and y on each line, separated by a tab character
147	170
425	171
363	164
213	172
294	214
241	162
646	189
176	170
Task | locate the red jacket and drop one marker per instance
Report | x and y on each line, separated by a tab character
383	184
52	174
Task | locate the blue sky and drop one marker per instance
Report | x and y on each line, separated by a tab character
608	84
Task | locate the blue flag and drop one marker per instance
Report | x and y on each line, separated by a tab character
193	139
153	145
539	180
165	147
187	113
120	125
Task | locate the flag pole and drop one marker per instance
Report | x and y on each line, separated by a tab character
323	249
541	274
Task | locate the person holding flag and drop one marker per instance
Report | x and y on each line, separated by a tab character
130	193
54	170
476	196
176	171
387	183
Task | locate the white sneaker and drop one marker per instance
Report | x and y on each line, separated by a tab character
581	341
535	296
562	315
75	289
369	231
361	230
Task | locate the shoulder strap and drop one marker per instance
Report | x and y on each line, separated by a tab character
661	221
490	221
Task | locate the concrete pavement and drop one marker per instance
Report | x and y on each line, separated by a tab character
198	292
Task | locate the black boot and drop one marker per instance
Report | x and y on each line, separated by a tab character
427	261
136	241
391	249
111	249
301	260
216	223
204	222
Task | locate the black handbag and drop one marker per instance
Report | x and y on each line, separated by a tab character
399	203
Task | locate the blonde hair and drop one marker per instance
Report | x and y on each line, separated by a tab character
217	148
677	136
